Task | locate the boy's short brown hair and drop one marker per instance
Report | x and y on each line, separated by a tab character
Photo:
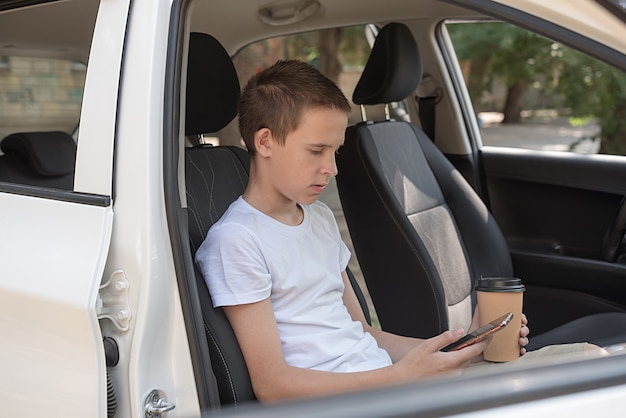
276	97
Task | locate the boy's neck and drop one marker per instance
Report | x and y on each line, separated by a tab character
287	212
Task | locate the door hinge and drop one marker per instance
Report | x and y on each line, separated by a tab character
112	300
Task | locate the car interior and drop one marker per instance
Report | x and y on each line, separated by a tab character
432	229
427	216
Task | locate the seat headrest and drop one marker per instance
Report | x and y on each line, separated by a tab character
393	70
49	154
212	86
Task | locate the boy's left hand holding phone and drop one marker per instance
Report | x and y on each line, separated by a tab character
480	333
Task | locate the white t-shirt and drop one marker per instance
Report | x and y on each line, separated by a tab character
249	256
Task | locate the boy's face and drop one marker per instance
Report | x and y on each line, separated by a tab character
304	164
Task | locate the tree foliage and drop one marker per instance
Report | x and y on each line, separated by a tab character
329	50
594	89
523	61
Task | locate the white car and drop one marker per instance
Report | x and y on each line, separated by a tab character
104	192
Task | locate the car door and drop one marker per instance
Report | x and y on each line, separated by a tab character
553	178
54	239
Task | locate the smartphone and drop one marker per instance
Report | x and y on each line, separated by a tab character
480	333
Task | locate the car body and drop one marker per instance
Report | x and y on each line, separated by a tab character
107	257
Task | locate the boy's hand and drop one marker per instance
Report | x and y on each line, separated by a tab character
523	335
426	359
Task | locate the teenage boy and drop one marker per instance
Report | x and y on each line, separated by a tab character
276	263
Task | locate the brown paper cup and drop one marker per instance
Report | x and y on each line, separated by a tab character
496	297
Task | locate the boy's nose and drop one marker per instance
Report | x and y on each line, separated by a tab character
330	168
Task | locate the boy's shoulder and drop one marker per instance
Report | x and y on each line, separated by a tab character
231	228
241	215
236	213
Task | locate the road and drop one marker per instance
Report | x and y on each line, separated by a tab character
553	135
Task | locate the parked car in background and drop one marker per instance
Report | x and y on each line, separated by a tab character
102	311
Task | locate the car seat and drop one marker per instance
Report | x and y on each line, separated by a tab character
421	234
44	159
215	177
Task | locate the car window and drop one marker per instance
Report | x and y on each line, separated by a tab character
531	92
39	94
40	103
339	53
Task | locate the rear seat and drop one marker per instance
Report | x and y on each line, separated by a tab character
44	159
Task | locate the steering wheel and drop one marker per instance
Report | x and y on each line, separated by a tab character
613	242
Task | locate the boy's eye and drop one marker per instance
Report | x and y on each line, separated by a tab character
316	151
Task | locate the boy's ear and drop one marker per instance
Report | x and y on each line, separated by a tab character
263	142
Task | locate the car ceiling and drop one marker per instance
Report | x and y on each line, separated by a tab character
61	34
49	30
332	13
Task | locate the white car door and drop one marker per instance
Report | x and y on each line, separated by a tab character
53	248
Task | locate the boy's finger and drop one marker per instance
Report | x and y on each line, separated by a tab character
445	338
524	331
524	319
475	349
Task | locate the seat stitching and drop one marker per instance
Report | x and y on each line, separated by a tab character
224	363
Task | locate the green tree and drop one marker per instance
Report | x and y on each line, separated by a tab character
499	51
523	60
593	89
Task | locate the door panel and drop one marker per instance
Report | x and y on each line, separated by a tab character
554	209
52	256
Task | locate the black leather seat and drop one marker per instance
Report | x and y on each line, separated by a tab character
44	159
215	177
420	232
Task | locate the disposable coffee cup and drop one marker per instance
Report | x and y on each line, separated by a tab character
496	297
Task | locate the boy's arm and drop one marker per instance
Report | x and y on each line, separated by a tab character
273	379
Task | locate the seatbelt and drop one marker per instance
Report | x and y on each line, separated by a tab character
427	97
426	109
